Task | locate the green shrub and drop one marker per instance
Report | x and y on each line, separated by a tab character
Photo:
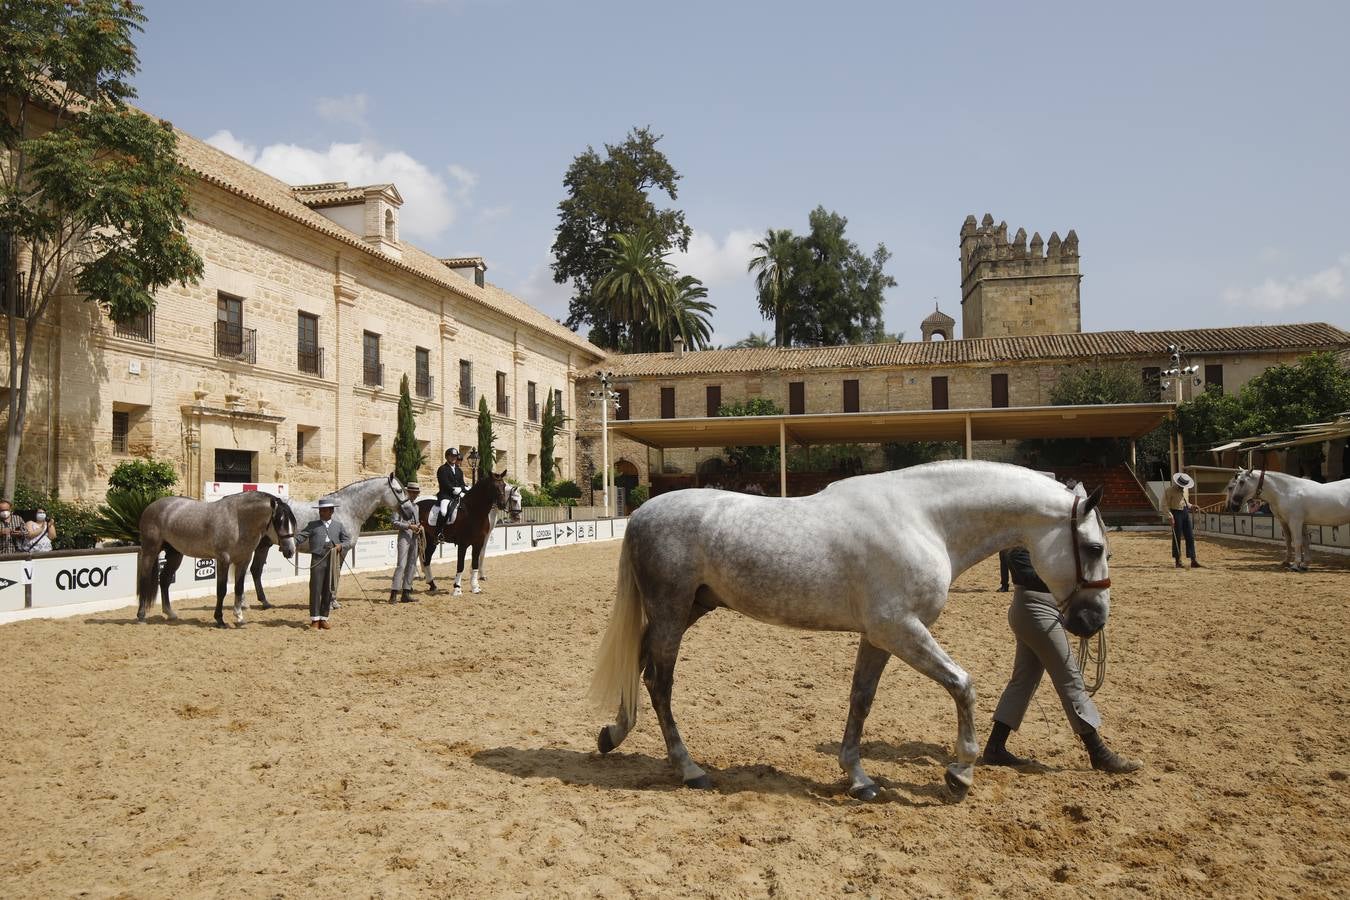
74	522
638	496
380	520
119	518
144	475
565	490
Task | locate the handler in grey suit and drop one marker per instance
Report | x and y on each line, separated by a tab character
406	568
1043	646
326	541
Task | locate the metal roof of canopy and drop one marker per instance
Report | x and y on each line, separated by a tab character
1119	420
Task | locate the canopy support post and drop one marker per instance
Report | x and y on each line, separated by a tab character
782	458
969	455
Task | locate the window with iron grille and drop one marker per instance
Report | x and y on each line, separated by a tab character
621	412
1214	378
141	328
503	401
423	366
940	392
231	340
371	369
667	403
531	397
465	383
1153	381
796	398
851	395
121	427
300	446
557	403
307	344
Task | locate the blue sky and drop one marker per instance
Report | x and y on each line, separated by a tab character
1201	151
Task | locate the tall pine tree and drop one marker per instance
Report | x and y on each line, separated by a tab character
408	457
546	435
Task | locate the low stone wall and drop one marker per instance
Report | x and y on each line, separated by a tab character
1329	538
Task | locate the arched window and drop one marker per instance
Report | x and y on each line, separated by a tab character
389	224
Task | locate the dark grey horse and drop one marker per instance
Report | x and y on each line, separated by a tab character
227	530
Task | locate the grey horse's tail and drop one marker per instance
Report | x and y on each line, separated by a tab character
618	662
147	568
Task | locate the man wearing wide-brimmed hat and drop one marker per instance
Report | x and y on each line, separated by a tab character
406	568
326	540
1178	502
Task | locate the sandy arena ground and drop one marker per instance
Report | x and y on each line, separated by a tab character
446	749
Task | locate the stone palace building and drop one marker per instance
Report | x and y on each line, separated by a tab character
283	364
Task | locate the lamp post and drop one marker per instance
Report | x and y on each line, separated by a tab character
605	396
1179	371
473	463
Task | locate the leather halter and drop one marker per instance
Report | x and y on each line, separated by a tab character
1077	556
1260	483
276	504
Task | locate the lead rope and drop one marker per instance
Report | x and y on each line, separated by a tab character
1087	653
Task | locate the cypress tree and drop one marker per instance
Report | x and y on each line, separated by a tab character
408	457
550	428
485	436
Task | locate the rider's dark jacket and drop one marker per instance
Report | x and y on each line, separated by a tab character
448	478
1023	575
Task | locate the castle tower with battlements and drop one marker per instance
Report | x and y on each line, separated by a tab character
1008	288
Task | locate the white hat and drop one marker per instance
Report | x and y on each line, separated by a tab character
327	503
1183	481
412	486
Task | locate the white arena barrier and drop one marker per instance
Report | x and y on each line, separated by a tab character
1323	538
79	582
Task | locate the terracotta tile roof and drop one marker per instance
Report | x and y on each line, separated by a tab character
463	262
932	354
239	178
938	317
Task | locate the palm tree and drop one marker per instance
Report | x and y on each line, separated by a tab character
639	286
690	313
773	267
754	340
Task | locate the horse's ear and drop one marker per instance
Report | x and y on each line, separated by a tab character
1093	499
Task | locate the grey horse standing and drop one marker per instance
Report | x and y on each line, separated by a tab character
227	531
356	502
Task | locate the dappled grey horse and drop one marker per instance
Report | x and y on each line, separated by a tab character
514	505
875	554
356	503
227	531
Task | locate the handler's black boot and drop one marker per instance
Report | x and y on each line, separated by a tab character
1104	759
408	597
995	753
393	596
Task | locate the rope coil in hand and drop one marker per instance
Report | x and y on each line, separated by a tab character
1092	655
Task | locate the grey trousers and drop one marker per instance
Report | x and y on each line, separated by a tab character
1043	646
406	568
321	588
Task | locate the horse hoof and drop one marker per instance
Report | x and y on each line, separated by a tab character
603	742
457	593
263	604
140	620
220	624
866	793
957	788
476	590
701	783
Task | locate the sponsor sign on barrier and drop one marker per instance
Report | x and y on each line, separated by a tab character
203	569
541	535
58	581
11	584
496	542
585	532
565	533
518	538
620	527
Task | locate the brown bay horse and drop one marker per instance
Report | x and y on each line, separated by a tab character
471	528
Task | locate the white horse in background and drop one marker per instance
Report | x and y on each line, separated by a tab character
805	562
514	504
1296	503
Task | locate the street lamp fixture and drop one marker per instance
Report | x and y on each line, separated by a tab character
605	396
473	463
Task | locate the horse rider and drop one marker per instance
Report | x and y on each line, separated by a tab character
1176	497
327	542
1042	646
449	485
406	569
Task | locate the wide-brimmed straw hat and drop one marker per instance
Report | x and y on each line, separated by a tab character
412	486
327	503
1183	481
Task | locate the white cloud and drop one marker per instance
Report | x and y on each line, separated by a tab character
430	205
717	263
543	293
346	110
493	214
1288	293
465	180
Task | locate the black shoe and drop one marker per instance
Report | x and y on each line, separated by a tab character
408	597
1106	760
1196	565
1179	565
1003	589
1001	756
393	596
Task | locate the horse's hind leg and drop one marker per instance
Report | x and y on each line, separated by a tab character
866	674
240	575
662	644
222	585
256	568
474	587
913	643
167	575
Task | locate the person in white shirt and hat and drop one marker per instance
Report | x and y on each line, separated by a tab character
326	541
406	569
1176	497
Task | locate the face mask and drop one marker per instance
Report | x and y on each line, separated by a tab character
41	517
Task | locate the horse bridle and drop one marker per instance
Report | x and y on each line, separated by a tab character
1260	483
1083	582
276	504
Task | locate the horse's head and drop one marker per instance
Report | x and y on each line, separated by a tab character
1071	558
401	501
281	528
1243	488
514	503
499	485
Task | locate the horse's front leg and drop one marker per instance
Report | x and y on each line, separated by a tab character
911	641
1288	543
222	585
459	571
867	671
259	562
474	588
241	574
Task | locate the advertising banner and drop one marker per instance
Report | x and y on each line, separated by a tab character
518	538
620	527
496	542
541	535
564	533
585	532
58	581
12	580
